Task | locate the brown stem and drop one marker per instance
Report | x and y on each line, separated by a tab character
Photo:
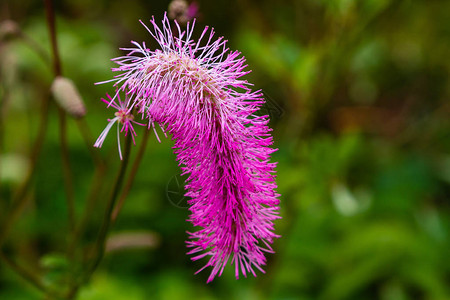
52	29
57	70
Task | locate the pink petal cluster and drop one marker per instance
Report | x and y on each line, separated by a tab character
123	116
195	90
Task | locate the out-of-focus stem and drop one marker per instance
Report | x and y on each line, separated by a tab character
88	139
99	247
131	176
52	30
35	47
68	182
101	238
19	198
97	181
89	208
29	276
3	104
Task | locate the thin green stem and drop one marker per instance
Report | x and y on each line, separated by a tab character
131	176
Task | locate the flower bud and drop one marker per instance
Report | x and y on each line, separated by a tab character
67	96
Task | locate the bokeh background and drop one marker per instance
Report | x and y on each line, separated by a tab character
358	94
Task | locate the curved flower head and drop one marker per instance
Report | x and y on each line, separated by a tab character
195	90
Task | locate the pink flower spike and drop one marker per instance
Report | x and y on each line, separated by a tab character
195	91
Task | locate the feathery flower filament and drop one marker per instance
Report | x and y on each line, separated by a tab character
123	116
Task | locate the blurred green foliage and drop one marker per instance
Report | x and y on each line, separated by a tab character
358	94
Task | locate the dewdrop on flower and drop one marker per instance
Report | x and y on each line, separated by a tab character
193	89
